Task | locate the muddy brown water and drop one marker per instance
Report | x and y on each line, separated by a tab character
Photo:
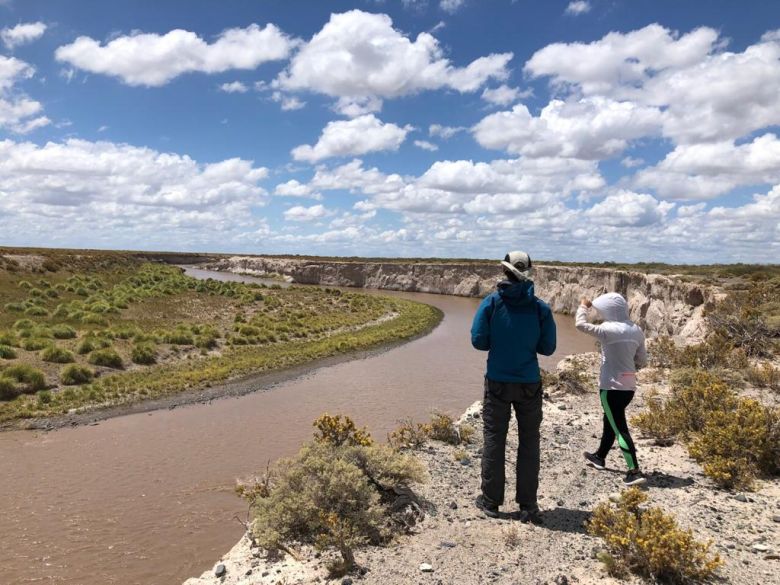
148	498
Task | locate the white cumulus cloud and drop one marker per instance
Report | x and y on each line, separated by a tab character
589	128
153	60
301	213
358	136
18	112
425	145
627	208
22	33
120	194
360	57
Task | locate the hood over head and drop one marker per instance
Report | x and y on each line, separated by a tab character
516	293
612	306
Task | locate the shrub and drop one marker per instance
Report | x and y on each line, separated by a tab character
206	341
337	497
22	324
8	338
735	446
764	376
107	357
739	319
14	307
44	397
93	319
31	379
9	389
7	352
338	431
63	332
654	420
662	352
36	311
442	428
124	332
57	355
649	542
75	374
409	435
179	337
90	343
35	344
144	354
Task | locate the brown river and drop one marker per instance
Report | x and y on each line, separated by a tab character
148	498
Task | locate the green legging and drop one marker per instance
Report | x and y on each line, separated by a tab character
614	403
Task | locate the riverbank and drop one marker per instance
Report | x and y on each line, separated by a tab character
455	543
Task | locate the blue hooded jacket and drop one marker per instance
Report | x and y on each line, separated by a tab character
512	325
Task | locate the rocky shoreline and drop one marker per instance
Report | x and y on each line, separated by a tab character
661	305
455	543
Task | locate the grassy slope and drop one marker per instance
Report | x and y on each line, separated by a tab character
200	332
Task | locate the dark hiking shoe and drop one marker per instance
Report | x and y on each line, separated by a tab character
634	477
490	510
530	514
594	461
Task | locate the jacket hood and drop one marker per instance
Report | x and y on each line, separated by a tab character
516	293
612	307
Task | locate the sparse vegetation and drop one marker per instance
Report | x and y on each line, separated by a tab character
179	331
649	542
339	492
734	438
441	427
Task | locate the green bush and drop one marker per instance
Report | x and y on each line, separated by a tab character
76	374
93	319
764	376
31	379
63	332
35	344
22	324
179	337
336	496
8	338
9	389
107	357
14	307
649	542
36	311
57	355
7	352
90	343
144	354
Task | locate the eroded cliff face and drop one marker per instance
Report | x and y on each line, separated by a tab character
659	304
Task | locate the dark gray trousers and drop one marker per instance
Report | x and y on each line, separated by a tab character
499	400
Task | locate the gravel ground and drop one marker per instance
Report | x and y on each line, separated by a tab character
462	546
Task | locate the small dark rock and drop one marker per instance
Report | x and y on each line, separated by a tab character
248	572
776	518
559	503
561	580
447	544
346	581
220	570
583	504
741	498
453	505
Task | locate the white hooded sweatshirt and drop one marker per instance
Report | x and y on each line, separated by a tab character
622	342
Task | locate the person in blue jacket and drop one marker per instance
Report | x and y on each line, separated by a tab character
513	326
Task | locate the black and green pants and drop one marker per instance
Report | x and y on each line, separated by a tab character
614	403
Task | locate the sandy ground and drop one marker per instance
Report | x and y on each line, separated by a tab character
463	546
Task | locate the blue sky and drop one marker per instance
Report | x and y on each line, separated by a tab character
586	130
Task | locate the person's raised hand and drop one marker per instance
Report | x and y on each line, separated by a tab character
585	301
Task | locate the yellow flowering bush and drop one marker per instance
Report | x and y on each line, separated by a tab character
649	542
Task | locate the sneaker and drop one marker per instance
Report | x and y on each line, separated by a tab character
530	514
490	510
594	461
634	477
